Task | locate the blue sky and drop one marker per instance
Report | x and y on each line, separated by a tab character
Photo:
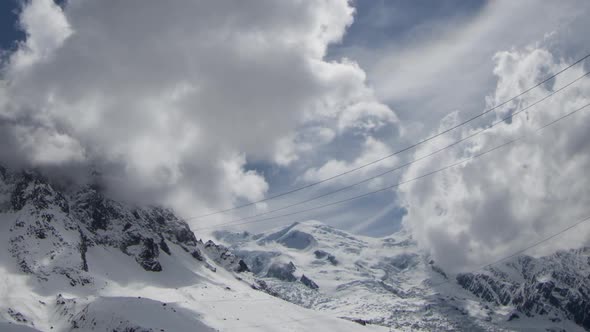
202	106
381	21
9	33
377	24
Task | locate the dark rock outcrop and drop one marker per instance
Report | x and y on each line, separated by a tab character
282	271
308	282
242	267
290	238
551	285
59	226
320	254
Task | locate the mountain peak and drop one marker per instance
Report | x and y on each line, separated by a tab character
81	242
294	236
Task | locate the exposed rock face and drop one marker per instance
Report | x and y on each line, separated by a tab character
147	258
291	238
18	317
224	257
53	234
297	240
392	282
140	232
53	229
44	238
242	266
552	285
257	261
308	282
404	261
282	271
320	254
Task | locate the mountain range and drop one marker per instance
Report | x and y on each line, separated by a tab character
77	260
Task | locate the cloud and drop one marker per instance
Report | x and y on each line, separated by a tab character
46	29
492	206
372	150
289	148
172	100
439	64
248	184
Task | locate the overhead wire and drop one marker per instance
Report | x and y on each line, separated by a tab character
383	189
523	250
498	261
411	146
474	134
419	177
430	173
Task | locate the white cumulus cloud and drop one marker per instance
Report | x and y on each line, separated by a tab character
170	100
497	204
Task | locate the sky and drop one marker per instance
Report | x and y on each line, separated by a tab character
203	106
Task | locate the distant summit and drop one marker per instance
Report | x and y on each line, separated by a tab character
389	281
80	260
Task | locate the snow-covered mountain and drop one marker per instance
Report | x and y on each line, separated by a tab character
74	259
390	282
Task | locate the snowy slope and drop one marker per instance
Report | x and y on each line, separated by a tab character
388	281
76	260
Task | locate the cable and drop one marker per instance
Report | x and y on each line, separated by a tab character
400	183
578	223
394	153
417	159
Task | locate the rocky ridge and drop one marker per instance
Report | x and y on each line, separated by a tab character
56	236
59	226
389	281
